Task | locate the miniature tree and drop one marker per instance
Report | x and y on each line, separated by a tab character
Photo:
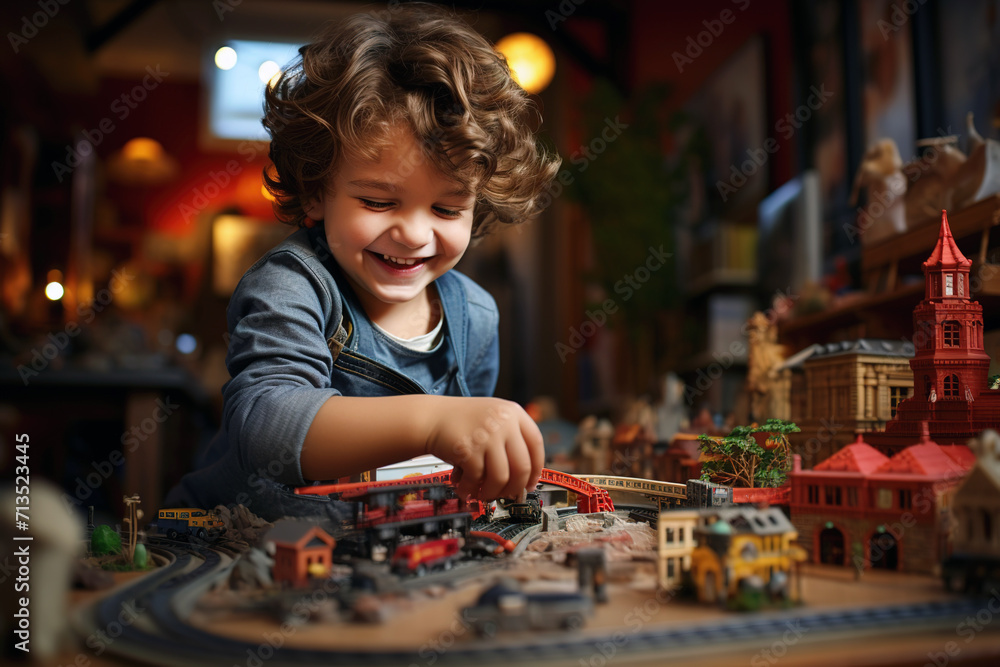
750	456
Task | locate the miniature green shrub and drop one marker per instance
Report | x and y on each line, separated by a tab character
105	541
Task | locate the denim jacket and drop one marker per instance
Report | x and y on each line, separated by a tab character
298	336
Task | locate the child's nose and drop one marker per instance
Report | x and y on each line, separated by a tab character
412	231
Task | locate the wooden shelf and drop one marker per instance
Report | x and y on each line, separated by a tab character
886	309
971	227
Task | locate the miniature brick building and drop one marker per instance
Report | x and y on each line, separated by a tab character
950	367
861	508
841	389
297	546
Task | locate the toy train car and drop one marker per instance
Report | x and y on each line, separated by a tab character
530	511
418	557
189	521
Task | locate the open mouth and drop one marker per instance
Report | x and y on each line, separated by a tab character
399	263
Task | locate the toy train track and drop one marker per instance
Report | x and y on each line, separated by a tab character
192	568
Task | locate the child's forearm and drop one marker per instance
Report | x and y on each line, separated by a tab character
351	434
496	448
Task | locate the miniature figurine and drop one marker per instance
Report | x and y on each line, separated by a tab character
881	171
764	357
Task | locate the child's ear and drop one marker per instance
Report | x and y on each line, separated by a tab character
314	207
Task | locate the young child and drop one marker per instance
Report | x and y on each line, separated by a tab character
395	140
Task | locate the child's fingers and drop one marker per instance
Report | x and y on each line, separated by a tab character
536	449
519	464
497	473
470	477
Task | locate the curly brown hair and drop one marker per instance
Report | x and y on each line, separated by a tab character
417	64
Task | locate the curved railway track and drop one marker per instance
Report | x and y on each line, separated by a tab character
162	593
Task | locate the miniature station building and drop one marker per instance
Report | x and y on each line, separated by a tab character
862	508
862	382
299	547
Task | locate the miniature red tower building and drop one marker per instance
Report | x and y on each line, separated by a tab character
948	328
950	366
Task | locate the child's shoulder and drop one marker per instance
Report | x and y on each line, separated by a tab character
293	268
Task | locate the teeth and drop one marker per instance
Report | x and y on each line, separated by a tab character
398	260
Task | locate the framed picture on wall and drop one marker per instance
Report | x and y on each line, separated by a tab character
731	109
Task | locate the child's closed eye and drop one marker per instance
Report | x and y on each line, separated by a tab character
386	205
377	205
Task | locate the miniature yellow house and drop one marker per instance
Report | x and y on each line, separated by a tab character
861	382
744	544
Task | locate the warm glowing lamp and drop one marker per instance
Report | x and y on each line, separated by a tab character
531	60
142	149
142	161
225	58
54	291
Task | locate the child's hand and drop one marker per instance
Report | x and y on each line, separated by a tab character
494	445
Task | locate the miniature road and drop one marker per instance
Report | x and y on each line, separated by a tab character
164	638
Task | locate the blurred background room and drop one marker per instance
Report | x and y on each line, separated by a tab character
720	158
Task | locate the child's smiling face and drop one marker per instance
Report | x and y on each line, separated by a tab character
395	224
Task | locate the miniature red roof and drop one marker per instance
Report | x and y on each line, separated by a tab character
946	253
962	455
927	459
858	456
